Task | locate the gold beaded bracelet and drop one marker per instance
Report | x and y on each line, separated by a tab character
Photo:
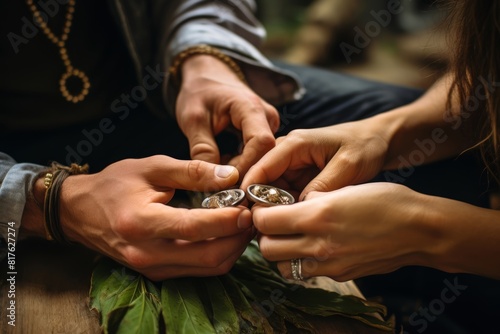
203	50
53	181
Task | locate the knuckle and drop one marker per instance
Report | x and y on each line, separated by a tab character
201	150
214	260
126	225
195	168
253	105
137	259
297	138
255	101
155	159
266	248
271	110
266	140
349	159
196	116
321	252
352	164
185	226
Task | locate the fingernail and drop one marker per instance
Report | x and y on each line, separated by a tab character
224	171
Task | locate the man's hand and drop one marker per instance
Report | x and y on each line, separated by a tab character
212	98
122	213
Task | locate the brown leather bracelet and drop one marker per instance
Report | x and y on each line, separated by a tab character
53	181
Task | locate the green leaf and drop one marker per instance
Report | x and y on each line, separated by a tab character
224	316
312	301
108	279
140	317
183	309
270	304
325	303
252	298
126	303
251	321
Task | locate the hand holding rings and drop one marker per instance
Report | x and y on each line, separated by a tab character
261	194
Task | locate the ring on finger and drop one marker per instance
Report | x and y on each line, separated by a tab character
296	265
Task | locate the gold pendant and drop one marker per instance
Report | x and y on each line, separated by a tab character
73	72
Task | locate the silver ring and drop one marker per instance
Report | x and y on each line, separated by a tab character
224	199
269	195
297	269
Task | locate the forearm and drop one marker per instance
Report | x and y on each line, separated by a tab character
465	238
425	131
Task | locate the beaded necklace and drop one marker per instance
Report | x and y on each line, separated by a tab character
60	42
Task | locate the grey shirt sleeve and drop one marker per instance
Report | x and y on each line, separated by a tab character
15	182
230	25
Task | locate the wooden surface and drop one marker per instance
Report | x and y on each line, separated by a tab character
52	285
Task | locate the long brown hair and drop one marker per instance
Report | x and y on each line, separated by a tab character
476	66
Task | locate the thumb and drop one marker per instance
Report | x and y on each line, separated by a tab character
204	176
195	175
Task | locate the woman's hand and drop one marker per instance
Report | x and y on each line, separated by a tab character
323	159
356	231
122	213
212	98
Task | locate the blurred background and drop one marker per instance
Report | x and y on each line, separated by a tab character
395	41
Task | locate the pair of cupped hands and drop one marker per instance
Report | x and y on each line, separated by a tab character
343	229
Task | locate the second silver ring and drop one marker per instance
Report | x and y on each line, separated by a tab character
296	265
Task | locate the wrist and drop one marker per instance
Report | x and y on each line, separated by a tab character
203	60
41	215
397	127
386	126
73	192
425	232
203	66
